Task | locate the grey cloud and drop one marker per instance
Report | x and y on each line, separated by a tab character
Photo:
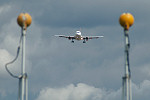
90	14
79	14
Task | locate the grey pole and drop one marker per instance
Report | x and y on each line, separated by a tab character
24	92
127	77
24	20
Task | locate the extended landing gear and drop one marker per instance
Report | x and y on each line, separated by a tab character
72	41
84	41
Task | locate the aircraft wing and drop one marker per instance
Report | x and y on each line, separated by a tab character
91	37
69	37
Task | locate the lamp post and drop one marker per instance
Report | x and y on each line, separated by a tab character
24	20
126	21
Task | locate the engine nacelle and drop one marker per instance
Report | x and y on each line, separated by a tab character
87	38
69	38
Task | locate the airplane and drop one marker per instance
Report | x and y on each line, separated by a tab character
78	37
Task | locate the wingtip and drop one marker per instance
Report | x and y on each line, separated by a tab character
101	36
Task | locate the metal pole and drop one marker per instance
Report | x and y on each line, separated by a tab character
126	21
126	65
130	89
24	76
23	50
19	89
26	81
24	20
123	88
128	93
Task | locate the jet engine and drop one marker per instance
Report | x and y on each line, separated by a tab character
69	38
87	38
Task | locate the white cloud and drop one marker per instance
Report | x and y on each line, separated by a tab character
79	92
4	58
86	92
141	92
71	92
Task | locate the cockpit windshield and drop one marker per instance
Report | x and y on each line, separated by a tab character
78	32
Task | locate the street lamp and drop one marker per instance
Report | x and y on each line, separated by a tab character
24	20
126	21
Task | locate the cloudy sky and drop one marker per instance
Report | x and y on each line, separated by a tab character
61	70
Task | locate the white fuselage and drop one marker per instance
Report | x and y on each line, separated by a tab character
78	35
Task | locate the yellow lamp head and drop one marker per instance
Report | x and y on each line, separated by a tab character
24	20
126	20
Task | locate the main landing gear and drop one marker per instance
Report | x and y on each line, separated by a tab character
84	41
72	41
